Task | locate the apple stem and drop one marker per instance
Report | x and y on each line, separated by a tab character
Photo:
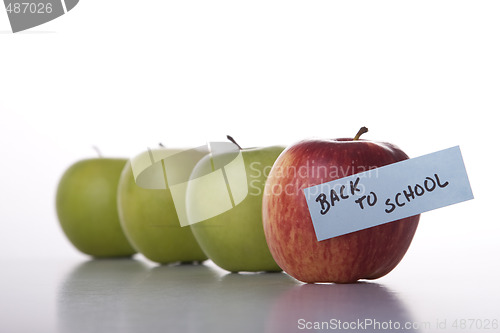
230	138
98	151
361	131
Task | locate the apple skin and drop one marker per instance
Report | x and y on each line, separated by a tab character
86	207
149	220
234	240
366	254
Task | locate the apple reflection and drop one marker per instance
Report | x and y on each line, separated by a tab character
241	302
129	296
169	299
90	298
202	299
358	307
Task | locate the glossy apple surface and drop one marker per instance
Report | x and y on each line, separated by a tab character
234	239
149	220
86	207
365	254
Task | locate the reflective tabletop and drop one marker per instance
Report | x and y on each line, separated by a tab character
432	290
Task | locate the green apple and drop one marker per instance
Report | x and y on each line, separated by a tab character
231	196
86	207
150	221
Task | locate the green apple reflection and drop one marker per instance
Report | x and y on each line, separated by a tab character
91	297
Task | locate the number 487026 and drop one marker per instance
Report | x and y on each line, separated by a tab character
29	8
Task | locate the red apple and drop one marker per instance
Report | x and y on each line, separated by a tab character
366	254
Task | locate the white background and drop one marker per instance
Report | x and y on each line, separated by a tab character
125	75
